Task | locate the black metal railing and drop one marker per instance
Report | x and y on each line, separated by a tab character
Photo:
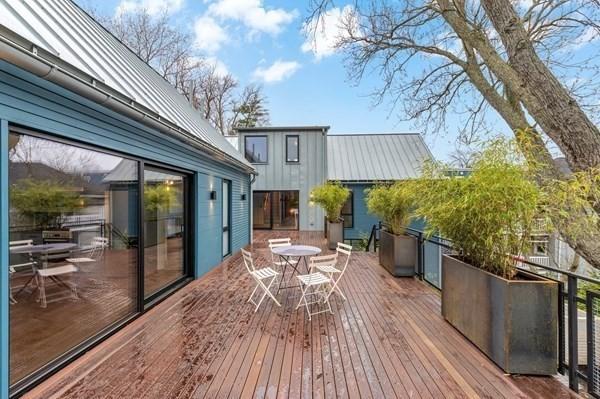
578	310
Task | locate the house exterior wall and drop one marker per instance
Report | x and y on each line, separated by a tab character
34	103
277	174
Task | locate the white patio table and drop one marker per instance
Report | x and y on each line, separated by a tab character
301	252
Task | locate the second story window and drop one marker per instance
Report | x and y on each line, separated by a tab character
292	149
256	149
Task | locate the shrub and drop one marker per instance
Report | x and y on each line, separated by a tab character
392	204
331	197
489	214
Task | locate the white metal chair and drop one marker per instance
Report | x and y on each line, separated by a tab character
54	274
12	269
95	251
260	276
277	243
331	271
316	285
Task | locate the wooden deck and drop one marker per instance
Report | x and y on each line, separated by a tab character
388	340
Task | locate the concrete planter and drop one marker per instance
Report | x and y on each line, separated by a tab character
514	322
398	254
335	234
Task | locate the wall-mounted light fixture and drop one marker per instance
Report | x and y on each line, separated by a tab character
243	197
213	195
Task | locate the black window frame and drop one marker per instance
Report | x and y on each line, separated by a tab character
351	214
267	146
287	156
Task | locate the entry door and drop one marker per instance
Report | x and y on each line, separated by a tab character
226	196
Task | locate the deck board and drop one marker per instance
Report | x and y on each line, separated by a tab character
205	341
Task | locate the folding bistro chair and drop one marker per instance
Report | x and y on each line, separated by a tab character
277	262
12	269
331	271
260	275
316	285
94	252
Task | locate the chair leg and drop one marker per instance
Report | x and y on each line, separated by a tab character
42	291
253	292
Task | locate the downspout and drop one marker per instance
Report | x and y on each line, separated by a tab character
35	64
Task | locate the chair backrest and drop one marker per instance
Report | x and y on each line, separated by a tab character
98	246
20	244
248	262
344	249
322	260
278	242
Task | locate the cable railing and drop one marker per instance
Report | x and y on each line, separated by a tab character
578	310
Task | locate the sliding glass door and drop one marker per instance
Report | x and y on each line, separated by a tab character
164	229
226	217
276	210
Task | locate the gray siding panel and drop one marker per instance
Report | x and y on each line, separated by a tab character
303	176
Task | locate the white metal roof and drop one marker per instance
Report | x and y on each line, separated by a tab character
375	157
64	30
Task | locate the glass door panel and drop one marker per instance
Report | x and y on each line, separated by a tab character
226	217
285	210
164	229
261	210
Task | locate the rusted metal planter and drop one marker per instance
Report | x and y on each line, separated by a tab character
398	254
514	322
335	234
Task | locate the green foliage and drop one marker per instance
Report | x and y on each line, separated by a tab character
392	204
331	197
489	214
160	197
43	201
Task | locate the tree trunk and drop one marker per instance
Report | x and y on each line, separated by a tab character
554	108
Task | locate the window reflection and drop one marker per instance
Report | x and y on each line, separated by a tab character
256	149
163	229
73	247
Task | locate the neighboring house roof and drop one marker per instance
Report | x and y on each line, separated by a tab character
375	157
62	35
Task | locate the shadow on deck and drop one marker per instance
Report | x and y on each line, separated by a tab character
388	340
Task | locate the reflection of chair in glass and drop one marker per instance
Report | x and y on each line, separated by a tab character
259	275
277	243
54	274
94	252
15	268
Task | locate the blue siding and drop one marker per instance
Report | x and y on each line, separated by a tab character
363	220
4	285
35	103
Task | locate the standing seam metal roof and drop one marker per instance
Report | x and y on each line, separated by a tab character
375	157
63	29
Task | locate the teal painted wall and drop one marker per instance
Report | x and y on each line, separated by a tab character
34	103
363	220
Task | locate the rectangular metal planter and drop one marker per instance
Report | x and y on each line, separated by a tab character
514	322
398	254
335	234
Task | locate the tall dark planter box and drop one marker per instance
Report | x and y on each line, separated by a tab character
398	254
514	322
335	234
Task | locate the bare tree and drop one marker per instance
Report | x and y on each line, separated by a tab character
170	52
484	57
250	109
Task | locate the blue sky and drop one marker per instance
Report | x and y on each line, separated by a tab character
262	41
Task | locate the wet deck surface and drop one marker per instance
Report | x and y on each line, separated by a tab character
387	340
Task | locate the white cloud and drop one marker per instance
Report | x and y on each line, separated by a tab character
277	72
210	36
253	15
219	66
152	7
324	33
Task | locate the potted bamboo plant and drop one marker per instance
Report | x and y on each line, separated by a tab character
332	196
397	250
509	314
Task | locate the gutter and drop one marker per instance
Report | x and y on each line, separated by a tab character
100	93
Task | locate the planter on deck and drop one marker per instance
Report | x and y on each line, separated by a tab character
514	322
335	234
398	254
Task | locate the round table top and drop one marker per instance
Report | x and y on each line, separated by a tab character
54	247
297	250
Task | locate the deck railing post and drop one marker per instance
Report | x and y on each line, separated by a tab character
573	348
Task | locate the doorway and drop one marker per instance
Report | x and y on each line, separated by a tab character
226	196
276	210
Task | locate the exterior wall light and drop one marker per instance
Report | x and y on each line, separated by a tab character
243	197
213	195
